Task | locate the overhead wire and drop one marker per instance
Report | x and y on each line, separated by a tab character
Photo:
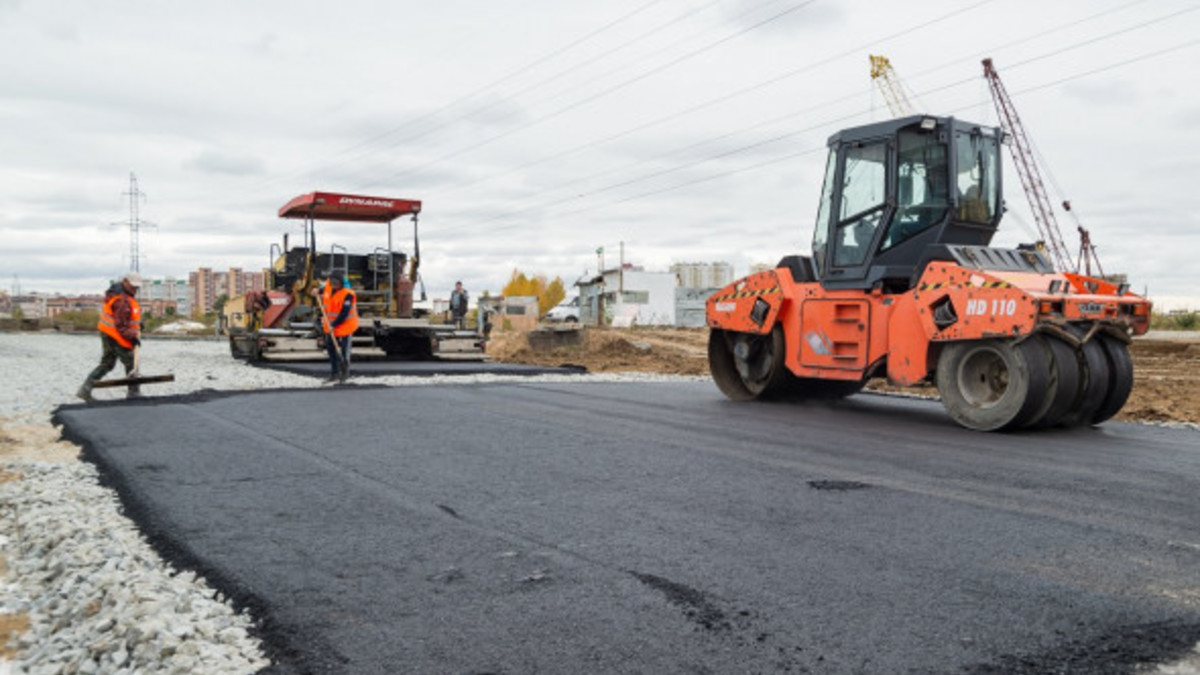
563	49
667	47
778	138
809	151
1029	38
596	96
725	97
495	103
479	90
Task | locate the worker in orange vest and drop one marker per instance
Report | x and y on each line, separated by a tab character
341	318
120	329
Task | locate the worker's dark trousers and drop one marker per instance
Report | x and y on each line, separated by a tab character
112	352
344	343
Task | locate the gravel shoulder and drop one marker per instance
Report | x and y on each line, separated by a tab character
85	593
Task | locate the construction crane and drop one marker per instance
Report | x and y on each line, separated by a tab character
884	77
1021	149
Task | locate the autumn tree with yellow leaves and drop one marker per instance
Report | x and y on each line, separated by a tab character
548	293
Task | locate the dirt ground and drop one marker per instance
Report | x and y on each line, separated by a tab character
21	442
1166	371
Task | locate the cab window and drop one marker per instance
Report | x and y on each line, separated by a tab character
922	186
864	189
819	237
977	177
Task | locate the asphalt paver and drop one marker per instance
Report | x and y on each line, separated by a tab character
659	528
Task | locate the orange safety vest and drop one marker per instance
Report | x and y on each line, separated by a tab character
108	322
333	307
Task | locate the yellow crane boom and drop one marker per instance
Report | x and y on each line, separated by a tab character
884	77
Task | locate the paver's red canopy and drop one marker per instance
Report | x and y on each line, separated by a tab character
333	206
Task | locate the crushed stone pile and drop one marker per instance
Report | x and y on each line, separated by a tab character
97	598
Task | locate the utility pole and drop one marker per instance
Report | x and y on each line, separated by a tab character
135	223
621	276
600	293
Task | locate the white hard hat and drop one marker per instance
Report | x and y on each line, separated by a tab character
133	279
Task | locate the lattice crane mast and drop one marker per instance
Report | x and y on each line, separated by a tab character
1027	168
884	77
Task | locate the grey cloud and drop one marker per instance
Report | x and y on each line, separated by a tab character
413	137
818	16
1187	119
1106	92
223	162
62	206
32	270
265	44
59	30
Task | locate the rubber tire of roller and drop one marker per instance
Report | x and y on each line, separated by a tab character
973	398
1064	371
1093	384
1120	378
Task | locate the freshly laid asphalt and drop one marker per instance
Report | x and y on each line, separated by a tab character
377	368
659	528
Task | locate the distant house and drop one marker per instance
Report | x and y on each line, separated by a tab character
519	313
628	294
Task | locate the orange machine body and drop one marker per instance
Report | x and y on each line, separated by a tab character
854	334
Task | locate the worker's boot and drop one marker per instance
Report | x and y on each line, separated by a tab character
85	393
134	392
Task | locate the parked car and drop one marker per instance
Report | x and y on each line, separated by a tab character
565	312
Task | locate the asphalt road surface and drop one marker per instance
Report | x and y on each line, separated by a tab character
377	368
659	528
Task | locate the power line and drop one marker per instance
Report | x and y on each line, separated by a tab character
466	97
642	57
1029	38
808	151
793	133
462	185
540	83
725	97
597	96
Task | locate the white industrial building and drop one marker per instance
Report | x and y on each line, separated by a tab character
628	295
703	274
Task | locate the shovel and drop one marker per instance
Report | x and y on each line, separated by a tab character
134	377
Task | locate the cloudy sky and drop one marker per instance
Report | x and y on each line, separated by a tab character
537	131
